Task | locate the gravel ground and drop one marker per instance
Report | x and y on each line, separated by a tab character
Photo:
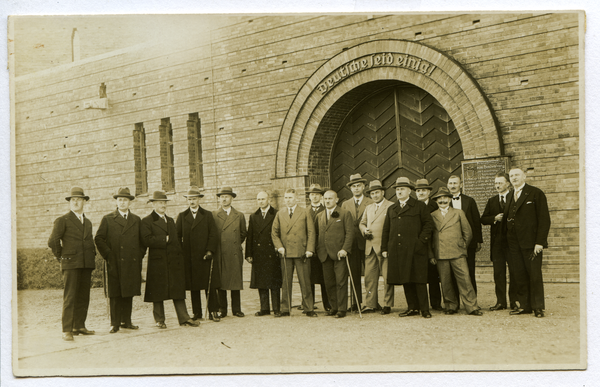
300	344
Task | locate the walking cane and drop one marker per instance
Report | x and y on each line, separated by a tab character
208	294
105	285
353	288
288	290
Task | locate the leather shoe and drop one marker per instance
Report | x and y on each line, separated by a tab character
239	314
214	316
223	313
161	325
514	307
311	314
197	317
426	314
114	329
539	313
262	313
450	311
277	314
409	312
129	326
498	307
67	336
386	310
332	313
366	309
353	308
83	331
190	323
520	311
300	307
476	312
340	315
284	314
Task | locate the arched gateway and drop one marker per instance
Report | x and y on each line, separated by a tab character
384	108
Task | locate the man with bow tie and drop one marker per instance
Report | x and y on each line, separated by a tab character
499	252
468	205
73	246
120	243
527	220
197	233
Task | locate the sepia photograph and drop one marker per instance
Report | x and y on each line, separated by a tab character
318	193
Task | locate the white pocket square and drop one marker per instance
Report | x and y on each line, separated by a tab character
529	203
339	220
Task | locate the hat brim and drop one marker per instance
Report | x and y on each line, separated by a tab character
425	187
436	197
226	193
158	200
77	196
130	197
404	185
349	184
315	191
368	191
194	196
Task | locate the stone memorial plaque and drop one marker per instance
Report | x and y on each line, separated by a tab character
478	183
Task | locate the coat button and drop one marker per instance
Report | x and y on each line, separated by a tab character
399	235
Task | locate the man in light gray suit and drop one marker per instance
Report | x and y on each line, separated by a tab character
294	238
451	236
371	227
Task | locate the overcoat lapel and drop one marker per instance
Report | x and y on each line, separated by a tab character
87	230
73	218
294	219
449	216
229	219
199	217
262	223
160	222
119	219
523	197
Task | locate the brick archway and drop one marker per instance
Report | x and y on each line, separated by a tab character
399	60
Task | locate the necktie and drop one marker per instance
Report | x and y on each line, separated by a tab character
517	194
81	218
125	216
402	205
264	214
291	213
502	203
194	214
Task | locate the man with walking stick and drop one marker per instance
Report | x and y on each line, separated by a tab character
197	233
335	228
294	238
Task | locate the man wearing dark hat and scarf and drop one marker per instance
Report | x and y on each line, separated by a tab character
73	246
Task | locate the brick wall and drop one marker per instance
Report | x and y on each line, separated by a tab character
242	83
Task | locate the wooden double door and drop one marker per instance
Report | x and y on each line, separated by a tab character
400	131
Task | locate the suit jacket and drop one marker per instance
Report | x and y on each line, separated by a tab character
497	229
469	207
349	206
406	236
451	235
432	205
231	232
296	235
314	213
374	222
531	217
120	243
316	268
334	235
165	278
197	237
266	265
72	243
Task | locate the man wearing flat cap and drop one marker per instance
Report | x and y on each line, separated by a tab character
423	191
451	237
197	233
405	242
371	226
165	278
231	233
356	206
73	246
120	243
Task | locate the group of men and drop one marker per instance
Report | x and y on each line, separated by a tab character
412	242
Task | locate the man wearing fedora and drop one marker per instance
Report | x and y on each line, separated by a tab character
120	243
197	233
261	254
499	252
293	234
451	236
405	242
165	277
231	233
73	246
423	191
315	196
356	206
371	227
468	205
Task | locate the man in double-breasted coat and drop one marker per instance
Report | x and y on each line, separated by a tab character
261	253
405	241
165	278
73	246
197	233
231	233
120	243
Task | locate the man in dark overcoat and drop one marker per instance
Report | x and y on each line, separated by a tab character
120	243
405	242
527	226
197	233
231	233
73	246
165	277
261	254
